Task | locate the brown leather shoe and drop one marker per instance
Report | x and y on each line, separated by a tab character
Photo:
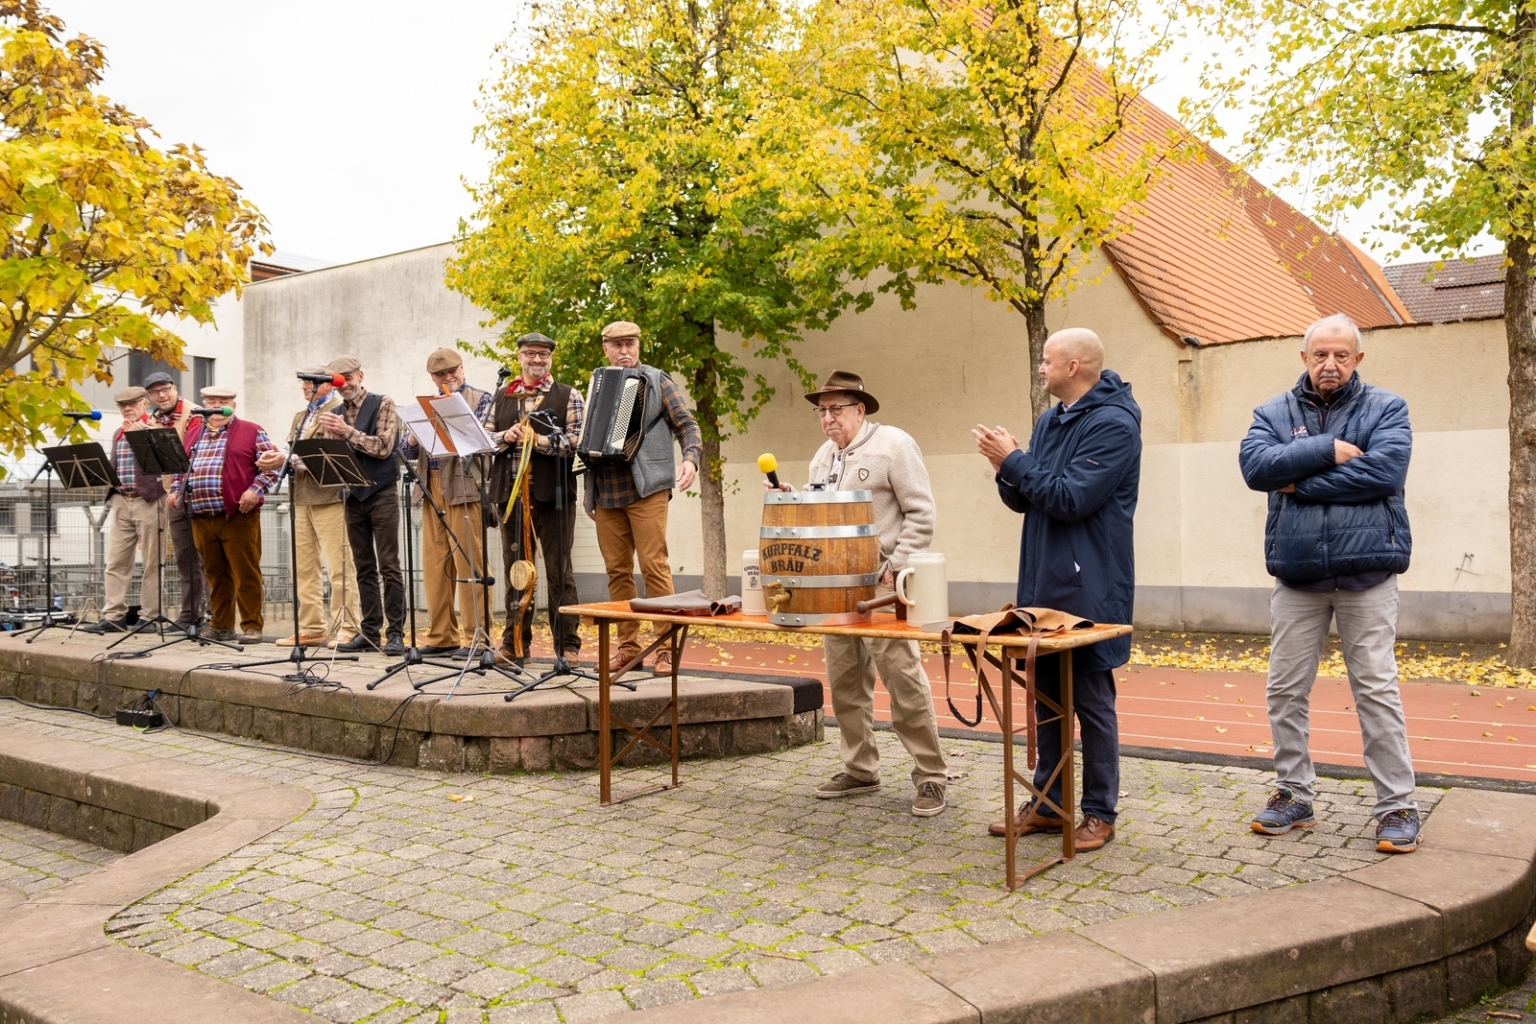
1029	820
619	660
305	639
663	666
1092	834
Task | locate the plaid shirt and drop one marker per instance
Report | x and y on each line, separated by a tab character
386	425
127	469
615	481
205	479
410	449
575	414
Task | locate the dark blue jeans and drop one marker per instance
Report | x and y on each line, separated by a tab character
1093	700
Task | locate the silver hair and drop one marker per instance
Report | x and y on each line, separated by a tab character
1336	322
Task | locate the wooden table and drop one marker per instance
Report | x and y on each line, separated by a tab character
883	627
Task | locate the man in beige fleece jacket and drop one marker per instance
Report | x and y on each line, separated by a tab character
866	456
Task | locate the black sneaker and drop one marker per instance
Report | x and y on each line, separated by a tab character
1283	813
102	627
429	650
394	647
358	644
1398	832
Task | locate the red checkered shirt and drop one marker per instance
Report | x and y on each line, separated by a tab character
205	479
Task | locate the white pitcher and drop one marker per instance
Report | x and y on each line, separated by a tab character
751	584
924	588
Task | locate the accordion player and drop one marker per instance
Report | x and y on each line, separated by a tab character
615	415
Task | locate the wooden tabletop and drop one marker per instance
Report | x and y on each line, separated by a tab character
884	627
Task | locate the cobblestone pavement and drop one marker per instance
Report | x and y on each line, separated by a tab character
33	861
389	901
1517	1004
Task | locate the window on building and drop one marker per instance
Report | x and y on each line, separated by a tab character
141	366
39	518
7	518
202	375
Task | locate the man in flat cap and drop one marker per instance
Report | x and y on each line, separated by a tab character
557	411
223	492
451	548
169	409
628	500
371	427
320	527
862	455
137	507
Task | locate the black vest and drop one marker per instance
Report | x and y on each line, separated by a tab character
548	476
383	472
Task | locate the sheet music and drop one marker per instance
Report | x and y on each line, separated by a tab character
451	415
421	427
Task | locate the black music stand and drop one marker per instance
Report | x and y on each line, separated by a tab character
79	466
329	460
157	451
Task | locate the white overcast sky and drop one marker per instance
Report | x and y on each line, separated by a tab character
348	123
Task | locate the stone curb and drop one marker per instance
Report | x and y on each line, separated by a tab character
56	962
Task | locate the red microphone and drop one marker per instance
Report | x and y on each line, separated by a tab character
334	379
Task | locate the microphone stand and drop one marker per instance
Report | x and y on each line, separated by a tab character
562	668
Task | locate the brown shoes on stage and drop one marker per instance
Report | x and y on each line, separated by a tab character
617	662
303	640
1029	821
1092	834
663	666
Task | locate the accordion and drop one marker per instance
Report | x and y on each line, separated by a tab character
615	415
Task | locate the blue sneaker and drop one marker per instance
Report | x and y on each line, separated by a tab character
1398	832
1283	813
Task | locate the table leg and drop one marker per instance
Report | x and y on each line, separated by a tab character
604	726
1010	829
678	642
1069	762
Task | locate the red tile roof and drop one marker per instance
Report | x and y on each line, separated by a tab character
1215	256
1460	290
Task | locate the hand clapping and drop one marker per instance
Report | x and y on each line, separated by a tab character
995	443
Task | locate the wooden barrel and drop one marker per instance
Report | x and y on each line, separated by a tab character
820	556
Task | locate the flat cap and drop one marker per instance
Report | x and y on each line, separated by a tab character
122	396
219	392
343	364
621	329
443	359
535	338
158	377
315	368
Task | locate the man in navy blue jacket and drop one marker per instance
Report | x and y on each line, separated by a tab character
1077	486
1333	454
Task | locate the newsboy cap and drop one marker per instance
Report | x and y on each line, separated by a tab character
343	364
158	377
841	381
443	359
315	368
535	338
621	329
217	392
122	396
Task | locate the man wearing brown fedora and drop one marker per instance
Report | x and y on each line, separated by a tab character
628	500
452	552
862	455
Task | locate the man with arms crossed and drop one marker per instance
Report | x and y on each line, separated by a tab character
1333	455
1077	485
862	455
629	500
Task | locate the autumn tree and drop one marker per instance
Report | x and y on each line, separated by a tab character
1427	104
106	236
646	167
1006	139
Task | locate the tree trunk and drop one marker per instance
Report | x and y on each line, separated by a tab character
1039	400
1521	336
711	480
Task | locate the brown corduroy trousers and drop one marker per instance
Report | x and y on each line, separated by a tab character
231	553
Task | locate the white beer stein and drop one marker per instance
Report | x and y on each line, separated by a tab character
751	584
924	588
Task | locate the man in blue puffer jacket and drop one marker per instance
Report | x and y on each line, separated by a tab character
1077	486
1333	454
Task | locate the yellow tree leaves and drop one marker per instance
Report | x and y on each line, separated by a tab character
103	232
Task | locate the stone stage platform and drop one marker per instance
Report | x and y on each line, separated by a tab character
470	727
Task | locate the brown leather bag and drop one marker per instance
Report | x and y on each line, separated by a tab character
1009	621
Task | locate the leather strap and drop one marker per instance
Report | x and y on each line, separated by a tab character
944	646
977	654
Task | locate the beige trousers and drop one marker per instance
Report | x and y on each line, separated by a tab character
443	561
321	533
639	528
851	666
136	526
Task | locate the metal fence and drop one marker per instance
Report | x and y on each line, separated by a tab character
78	550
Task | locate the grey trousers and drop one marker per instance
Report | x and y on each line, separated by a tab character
851	665
1368	630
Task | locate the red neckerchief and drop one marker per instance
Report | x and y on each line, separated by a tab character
521	386
169	417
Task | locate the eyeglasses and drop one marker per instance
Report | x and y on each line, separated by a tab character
822	411
534	355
